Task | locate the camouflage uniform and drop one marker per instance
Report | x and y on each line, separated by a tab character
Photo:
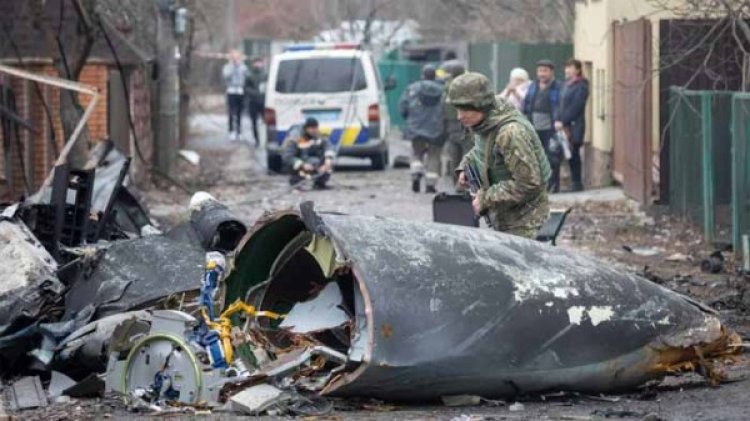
509	156
458	140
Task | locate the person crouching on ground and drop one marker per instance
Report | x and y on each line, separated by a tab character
507	154
310	156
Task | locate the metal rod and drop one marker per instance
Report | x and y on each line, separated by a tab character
709	225
63	157
62	84
50	80
746	252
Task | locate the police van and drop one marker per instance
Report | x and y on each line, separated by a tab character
337	84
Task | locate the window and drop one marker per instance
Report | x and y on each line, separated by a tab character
320	75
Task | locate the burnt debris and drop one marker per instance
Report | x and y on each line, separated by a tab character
304	306
81	257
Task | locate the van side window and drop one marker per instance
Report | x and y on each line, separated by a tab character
334	74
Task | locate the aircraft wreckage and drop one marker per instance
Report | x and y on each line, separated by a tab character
402	310
397	310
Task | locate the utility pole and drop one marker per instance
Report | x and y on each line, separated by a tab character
229	18
167	130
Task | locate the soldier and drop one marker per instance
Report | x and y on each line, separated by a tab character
421	106
507	154
457	140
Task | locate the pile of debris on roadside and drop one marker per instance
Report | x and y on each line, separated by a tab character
79	258
306	305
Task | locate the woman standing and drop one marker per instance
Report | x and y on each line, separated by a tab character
573	98
517	87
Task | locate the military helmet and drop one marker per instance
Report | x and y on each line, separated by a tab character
471	90
454	67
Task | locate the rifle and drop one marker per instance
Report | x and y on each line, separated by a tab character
475	184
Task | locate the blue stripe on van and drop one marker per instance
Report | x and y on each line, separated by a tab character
362	137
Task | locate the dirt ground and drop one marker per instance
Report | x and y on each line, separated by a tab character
603	223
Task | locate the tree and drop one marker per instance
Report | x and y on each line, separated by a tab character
725	24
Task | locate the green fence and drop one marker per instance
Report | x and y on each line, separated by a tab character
709	161
496	59
403	72
740	168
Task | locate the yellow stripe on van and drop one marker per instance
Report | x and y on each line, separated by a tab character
350	135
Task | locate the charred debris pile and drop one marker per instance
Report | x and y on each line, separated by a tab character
306	305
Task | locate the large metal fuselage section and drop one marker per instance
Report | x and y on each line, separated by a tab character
446	310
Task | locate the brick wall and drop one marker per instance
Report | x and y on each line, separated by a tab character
96	75
37	151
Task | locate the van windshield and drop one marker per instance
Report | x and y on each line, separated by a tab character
320	75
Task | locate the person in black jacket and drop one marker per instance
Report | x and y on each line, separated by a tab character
309	157
542	107
573	98
255	91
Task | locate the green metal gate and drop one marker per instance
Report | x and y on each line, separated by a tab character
710	161
403	72
740	168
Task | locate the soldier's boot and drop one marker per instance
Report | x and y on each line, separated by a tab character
431	180
416	182
417	172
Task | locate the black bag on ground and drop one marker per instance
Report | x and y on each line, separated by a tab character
455	209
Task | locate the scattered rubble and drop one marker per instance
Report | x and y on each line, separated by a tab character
210	317
81	260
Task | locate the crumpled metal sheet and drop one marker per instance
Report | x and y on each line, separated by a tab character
465	311
451	310
86	350
134	274
27	276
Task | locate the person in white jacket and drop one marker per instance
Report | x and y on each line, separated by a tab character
235	72
517	87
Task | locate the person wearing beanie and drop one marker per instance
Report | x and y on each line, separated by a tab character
422	108
309	157
518	85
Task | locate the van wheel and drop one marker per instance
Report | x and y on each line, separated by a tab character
379	161
273	164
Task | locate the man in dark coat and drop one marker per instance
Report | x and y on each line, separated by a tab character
542	105
255	91
573	98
